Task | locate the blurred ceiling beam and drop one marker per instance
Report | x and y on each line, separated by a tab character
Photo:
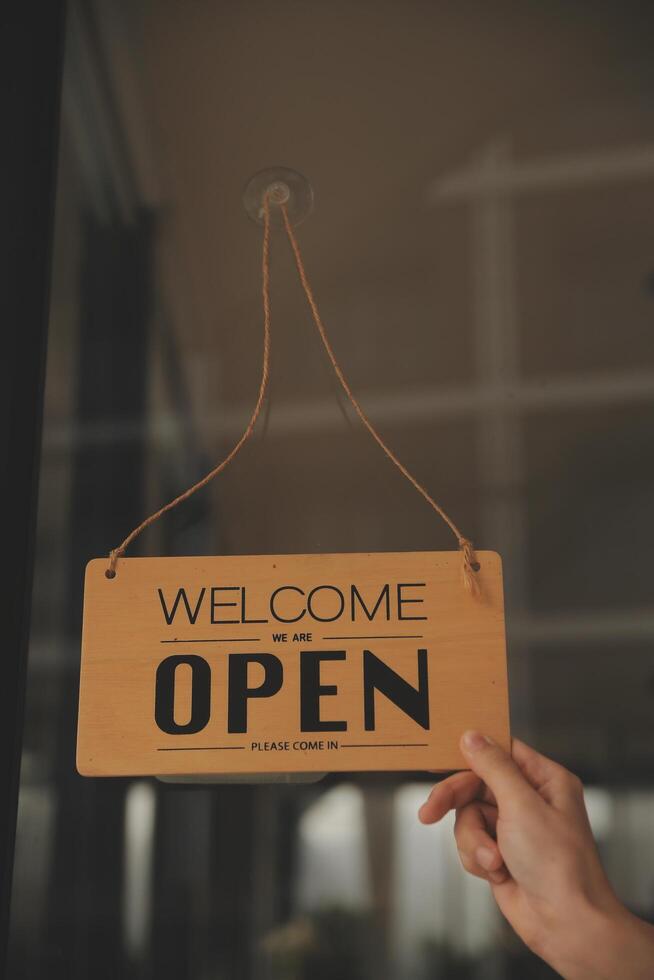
549	173
393	408
560	627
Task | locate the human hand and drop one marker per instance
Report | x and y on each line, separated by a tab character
521	824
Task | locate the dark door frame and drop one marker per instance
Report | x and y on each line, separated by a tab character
31	58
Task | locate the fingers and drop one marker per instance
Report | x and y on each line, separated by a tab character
479	853
538	769
498	770
521	778
491	815
450	794
555	784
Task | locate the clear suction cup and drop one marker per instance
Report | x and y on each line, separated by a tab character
283	186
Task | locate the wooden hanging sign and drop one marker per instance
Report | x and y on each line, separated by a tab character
289	663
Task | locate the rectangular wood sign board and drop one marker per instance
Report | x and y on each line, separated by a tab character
289	663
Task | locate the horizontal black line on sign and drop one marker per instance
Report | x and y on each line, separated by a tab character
385	745
220	639
203	748
403	636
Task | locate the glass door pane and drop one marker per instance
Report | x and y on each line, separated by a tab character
482	255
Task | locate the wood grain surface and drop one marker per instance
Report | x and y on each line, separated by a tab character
288	663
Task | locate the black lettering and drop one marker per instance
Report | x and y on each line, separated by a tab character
325	619
239	692
401	600
215	605
384	594
164	697
244	618
285	588
311	690
377	675
181	594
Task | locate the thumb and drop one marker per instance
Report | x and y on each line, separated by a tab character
497	769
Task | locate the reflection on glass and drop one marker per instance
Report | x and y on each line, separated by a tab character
481	252
332	865
140	812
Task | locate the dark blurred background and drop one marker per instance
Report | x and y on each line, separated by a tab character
482	248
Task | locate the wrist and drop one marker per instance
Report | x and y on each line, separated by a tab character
603	944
